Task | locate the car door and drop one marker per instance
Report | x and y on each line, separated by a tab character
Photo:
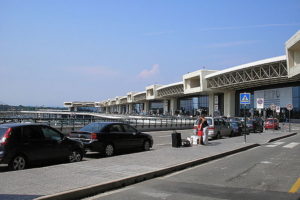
224	128
118	137
135	139
56	146
33	143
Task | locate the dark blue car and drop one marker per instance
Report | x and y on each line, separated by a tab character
109	137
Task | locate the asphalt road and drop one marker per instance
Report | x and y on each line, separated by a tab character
266	172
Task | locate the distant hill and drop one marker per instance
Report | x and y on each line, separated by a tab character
5	107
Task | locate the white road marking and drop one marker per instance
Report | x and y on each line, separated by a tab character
265	162
278	143
275	144
163	144
291	145
164	136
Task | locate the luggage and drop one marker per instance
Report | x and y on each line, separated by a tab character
186	143
176	139
195	139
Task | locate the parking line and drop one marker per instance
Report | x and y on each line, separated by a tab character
295	187
291	145
164	136
163	144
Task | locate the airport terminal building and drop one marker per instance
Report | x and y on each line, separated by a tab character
274	80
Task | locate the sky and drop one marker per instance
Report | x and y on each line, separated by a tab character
53	51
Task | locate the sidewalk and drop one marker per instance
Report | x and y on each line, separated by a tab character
76	180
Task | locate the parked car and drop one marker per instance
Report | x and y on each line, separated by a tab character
24	143
109	137
254	125
217	128
272	123
239	128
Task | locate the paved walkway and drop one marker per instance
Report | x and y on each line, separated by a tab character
74	180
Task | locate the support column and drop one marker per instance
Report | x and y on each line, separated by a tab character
173	106
146	106
130	108
166	106
211	104
119	109
229	103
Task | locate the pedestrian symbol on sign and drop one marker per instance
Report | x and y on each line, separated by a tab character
245	98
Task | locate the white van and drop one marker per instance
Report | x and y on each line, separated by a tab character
217	128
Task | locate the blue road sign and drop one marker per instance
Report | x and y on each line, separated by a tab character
244	98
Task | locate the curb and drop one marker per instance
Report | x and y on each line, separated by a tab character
279	138
103	187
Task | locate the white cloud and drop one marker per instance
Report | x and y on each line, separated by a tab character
149	73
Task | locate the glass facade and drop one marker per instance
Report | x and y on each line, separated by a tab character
193	105
87	109
156	107
279	96
138	108
295	113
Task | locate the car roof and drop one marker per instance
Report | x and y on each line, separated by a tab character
12	125
107	123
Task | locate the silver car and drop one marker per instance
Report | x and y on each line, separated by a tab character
217	128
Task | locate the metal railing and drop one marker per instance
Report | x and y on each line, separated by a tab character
142	124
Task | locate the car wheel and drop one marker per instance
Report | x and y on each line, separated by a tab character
75	156
109	150
18	163
146	145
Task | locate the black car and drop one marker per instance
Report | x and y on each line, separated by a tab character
238	128
21	144
109	137
255	125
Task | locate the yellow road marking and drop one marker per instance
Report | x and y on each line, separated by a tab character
295	187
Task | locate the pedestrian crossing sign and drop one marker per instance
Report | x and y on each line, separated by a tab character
245	98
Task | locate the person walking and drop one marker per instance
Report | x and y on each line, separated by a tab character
204	126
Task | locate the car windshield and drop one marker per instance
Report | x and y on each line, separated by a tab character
93	127
234	124
250	122
209	121
270	120
2	131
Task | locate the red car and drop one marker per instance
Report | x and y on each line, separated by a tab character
271	123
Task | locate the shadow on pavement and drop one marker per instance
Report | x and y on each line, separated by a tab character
210	143
17	196
96	155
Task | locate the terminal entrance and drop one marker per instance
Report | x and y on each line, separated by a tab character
156	107
192	106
